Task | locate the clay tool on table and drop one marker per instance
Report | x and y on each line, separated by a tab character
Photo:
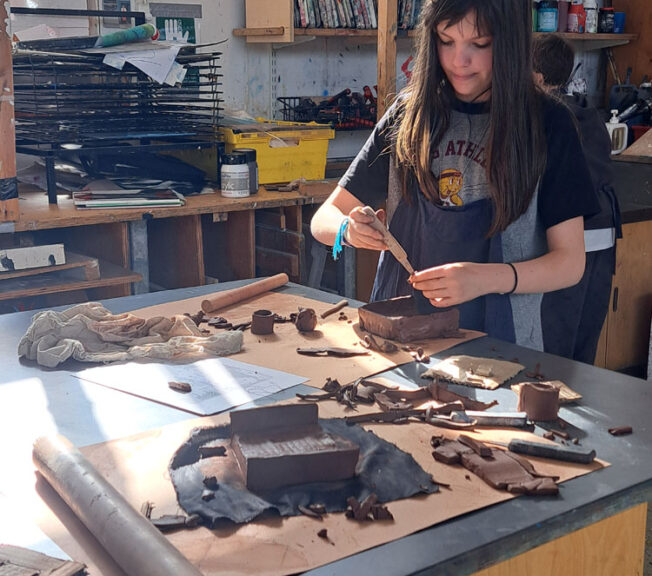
499	419
392	243
230	297
554	451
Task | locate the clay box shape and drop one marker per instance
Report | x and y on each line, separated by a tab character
398	319
283	445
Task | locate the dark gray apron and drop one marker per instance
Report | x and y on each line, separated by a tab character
434	235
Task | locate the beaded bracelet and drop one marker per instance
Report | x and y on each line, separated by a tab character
340	241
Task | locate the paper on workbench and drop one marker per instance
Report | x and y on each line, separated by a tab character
217	383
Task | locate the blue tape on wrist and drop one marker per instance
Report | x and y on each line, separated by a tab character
338	246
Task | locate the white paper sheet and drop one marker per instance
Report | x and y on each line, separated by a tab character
157	62
217	383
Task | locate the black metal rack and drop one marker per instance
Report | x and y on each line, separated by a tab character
69	104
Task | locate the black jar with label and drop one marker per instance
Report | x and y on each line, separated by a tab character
250	154
606	20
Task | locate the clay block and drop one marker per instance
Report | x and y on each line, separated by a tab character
398	319
260	420
284	445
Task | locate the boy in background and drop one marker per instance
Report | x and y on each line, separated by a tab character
572	318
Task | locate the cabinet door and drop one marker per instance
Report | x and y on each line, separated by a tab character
625	336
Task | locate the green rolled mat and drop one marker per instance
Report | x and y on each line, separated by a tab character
135	34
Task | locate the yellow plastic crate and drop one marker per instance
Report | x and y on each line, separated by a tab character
285	151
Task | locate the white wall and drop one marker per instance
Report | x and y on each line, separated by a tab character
62	25
256	74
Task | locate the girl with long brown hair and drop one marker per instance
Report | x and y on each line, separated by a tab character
483	175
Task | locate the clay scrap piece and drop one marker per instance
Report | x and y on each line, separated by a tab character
182	387
478	447
620	430
306	320
146	508
331	351
307	511
210	450
336	308
566	394
399	319
169	522
16	561
474	371
283	445
501	469
219	322
539	400
368	509
197	318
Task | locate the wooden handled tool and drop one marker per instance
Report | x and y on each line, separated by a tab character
392	243
230	297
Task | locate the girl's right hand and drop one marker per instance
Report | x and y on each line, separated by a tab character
359	232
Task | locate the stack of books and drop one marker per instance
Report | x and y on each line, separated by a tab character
360	14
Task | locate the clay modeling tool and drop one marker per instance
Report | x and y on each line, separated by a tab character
392	243
230	297
554	451
509	419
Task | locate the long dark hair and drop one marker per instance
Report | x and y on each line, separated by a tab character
516	138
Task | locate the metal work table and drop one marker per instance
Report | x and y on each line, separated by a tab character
34	401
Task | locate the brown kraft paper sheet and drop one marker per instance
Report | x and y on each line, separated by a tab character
137	467
278	350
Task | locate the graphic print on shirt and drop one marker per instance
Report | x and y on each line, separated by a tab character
460	166
450	185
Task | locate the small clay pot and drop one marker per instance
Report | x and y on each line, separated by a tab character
262	322
539	400
306	320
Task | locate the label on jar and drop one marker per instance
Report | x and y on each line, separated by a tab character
547	20
591	20
573	23
235	184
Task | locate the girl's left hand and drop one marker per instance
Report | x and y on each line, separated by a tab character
450	284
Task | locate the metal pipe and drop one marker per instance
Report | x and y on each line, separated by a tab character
130	539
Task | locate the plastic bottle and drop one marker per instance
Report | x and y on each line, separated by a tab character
547	16
591	9
617	132
576	18
250	153
562	26
235	176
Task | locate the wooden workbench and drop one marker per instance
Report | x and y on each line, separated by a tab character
210	236
596	526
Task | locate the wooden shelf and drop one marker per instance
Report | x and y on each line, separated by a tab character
65	281
603	40
588	41
37	214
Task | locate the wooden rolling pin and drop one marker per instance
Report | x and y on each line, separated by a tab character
230	297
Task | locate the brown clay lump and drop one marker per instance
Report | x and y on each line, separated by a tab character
306	320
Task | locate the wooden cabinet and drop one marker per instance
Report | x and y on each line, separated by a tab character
625	336
210	237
